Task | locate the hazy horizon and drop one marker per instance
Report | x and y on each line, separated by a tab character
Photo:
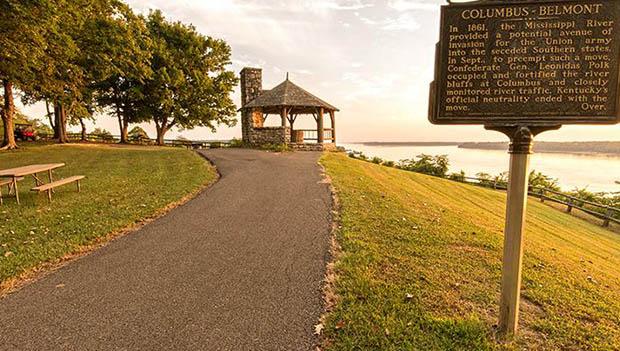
372	59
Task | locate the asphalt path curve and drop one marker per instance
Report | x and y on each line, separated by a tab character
240	267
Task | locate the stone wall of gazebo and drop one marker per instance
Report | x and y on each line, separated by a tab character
269	135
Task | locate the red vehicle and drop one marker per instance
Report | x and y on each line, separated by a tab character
24	132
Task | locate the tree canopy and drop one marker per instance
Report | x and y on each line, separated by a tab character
88	56
190	85
23	33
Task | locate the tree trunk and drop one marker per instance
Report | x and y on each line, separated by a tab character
123	125
8	111
56	119
125	131
50	118
61	123
83	129
161	132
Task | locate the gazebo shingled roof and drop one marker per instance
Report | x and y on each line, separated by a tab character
288	94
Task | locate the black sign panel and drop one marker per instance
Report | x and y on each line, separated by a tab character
535	63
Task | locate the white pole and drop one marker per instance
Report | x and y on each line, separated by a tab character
513	243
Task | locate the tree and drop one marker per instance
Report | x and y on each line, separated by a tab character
103	47
124	68
190	85
22	37
58	77
79	111
50	117
76	56
8	113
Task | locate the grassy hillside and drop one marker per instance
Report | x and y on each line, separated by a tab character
123	185
420	268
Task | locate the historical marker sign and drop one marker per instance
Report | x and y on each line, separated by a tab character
521	68
532	63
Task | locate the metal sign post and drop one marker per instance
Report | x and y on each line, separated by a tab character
521	141
522	67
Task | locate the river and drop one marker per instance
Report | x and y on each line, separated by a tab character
596	172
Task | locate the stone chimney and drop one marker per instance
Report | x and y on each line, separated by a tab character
251	84
251	87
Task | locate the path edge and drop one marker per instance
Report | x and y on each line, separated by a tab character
330	297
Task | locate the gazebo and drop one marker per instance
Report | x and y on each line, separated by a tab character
288	101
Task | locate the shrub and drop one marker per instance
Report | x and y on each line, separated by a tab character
427	164
358	155
138	135
102	134
459	177
484	179
606	199
540	180
376	160
237	143
501	179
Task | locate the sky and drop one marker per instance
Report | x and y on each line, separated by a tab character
373	59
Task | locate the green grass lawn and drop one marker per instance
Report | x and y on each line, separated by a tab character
420	268
123	186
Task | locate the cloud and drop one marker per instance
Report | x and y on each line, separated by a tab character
368	21
408	5
248	62
293	71
367	86
404	22
341	5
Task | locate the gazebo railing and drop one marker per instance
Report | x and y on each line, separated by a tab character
312	134
328	134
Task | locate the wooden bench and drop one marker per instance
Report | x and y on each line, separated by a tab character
50	186
9	183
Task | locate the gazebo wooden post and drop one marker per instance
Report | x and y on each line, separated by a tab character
291	122
283	114
332	116
319	126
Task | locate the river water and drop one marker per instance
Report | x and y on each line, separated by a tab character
596	172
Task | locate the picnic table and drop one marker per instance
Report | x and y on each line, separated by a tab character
32	170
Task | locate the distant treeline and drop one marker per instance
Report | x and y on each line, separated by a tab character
588	147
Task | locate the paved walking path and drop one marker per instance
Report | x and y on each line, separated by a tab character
238	268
